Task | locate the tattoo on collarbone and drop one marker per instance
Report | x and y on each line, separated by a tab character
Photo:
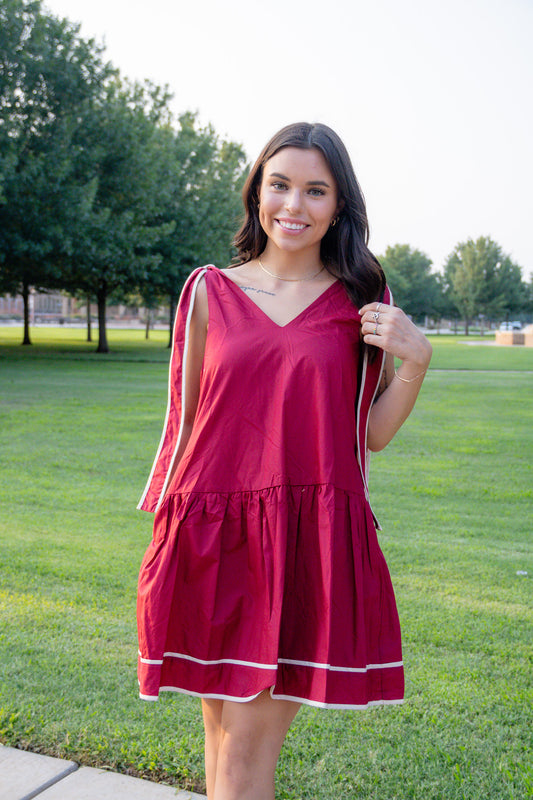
259	291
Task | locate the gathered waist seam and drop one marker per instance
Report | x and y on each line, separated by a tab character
301	486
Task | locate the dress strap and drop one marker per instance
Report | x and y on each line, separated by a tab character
173	425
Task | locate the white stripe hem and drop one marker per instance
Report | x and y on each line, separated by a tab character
318	704
221	661
304	700
290	661
331	668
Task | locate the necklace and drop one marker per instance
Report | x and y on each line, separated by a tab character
294	280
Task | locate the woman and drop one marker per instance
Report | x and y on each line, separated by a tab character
264	586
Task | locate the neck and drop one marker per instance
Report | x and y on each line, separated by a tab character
291	265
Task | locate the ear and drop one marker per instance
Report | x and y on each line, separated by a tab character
340	206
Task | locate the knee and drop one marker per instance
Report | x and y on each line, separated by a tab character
241	758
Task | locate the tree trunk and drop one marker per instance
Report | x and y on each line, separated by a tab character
147	326
89	328
101	297
467	326
26	298
171	319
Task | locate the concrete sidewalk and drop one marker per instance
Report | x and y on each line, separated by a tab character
25	775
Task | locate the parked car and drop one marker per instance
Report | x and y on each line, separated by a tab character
511	326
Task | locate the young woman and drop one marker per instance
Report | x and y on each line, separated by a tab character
264	586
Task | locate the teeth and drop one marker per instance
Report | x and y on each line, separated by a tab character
292	226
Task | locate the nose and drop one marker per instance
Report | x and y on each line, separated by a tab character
293	200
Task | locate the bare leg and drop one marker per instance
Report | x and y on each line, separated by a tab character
212	713
243	743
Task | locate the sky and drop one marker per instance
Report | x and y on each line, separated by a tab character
431	97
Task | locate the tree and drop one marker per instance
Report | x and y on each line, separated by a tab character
202	192
528	301
482	280
49	75
415	288
113	238
93	178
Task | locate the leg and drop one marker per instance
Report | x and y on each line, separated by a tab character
212	713
250	737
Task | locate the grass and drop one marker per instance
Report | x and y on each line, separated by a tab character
453	492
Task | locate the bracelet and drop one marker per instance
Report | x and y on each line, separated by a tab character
409	380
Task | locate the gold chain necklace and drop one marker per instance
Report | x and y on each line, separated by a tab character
292	280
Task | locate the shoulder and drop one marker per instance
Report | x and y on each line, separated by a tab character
196	280
239	274
200	310
193	299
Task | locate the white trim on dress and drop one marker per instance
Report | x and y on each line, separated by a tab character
184	362
258	665
220	661
303	700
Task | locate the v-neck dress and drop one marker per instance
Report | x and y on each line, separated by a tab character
265	571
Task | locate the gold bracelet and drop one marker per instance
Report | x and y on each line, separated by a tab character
409	380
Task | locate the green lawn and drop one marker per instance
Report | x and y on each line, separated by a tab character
453	492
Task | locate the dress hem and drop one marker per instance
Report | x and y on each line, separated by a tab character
303	700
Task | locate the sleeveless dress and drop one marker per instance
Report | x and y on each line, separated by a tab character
265	571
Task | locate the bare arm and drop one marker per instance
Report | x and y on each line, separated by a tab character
397	336
193	367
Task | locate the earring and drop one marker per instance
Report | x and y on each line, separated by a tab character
334	222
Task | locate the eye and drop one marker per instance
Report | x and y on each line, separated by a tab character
316	192
279	185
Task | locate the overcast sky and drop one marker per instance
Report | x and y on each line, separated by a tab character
432	98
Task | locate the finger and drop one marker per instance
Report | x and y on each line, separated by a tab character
375	318
376	340
372	328
376	306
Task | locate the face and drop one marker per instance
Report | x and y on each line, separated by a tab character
298	200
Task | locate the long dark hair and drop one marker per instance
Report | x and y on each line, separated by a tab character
343	250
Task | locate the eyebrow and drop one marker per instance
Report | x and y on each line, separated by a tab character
309	183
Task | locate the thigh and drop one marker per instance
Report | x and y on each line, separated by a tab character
261	723
212	714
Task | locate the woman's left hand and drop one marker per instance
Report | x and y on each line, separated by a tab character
390	329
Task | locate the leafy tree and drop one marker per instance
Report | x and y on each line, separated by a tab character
98	194
113	238
481	279
49	75
528	301
201	200
414	286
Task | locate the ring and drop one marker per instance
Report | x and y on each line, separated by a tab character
376	330
375	316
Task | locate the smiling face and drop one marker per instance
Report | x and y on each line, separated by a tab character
298	201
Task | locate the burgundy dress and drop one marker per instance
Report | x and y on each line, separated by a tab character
264	571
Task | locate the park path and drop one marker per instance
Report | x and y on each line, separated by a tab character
26	775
